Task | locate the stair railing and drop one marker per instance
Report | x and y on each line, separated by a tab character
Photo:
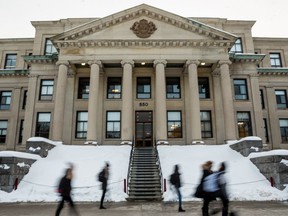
159	166
129	167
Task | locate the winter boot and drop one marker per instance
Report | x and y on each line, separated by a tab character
181	210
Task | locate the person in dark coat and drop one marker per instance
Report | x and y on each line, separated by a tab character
177	184
65	192
219	192
207	170
104	184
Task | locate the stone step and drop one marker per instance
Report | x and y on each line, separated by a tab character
145	194
144	177
144	182
146	198
144	185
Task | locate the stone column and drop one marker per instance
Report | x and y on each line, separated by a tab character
258	114
93	100
59	108
30	107
160	101
195	120
227	99
127	102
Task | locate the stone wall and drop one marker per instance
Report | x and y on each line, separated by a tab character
12	168
271	167
245	147
39	147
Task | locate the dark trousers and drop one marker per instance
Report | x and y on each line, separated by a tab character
208	197
179	196
104	189
61	205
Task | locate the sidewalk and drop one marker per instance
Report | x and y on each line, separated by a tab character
142	209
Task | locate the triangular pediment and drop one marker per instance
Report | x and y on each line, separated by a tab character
144	24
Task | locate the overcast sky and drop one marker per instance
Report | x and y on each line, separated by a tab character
271	16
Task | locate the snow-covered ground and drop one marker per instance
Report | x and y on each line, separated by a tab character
245	182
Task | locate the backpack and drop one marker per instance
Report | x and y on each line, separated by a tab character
101	176
211	182
173	179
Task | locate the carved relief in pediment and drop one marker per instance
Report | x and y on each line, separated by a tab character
143	28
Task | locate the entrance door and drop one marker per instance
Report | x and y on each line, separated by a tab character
143	129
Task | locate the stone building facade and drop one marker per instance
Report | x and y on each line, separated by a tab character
145	76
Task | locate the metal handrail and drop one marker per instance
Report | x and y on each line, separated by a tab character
159	165
129	167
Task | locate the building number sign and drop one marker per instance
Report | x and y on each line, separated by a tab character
143	104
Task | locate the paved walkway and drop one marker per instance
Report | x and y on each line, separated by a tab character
142	209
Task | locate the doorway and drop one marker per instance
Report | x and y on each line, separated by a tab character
143	129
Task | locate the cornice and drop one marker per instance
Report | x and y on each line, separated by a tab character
246	57
143	43
5	72
40	59
272	71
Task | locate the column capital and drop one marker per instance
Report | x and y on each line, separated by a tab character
160	61
62	62
223	62
189	62
127	61
97	62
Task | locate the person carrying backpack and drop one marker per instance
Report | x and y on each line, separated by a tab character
175	181
214	186
103	177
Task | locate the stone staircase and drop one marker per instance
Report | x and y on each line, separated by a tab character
144	177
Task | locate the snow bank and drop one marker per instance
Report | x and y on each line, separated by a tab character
245	182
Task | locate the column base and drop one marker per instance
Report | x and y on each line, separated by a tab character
126	142
198	142
91	143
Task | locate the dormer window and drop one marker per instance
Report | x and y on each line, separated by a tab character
49	48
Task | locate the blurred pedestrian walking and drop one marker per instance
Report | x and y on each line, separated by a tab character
65	191
214	186
176	181
103	177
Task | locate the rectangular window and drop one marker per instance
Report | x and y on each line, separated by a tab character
10	61
281	99
5	100
143	87
113	124
275	60
24	99
46	90
284	130
266	130
21	131
114	87
3	131
174	124
244	124
49	48
83	88
43	125
240	89
206	124
203	85
82	125
262	98
237	47
173	88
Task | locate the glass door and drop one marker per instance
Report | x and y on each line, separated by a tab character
144	129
